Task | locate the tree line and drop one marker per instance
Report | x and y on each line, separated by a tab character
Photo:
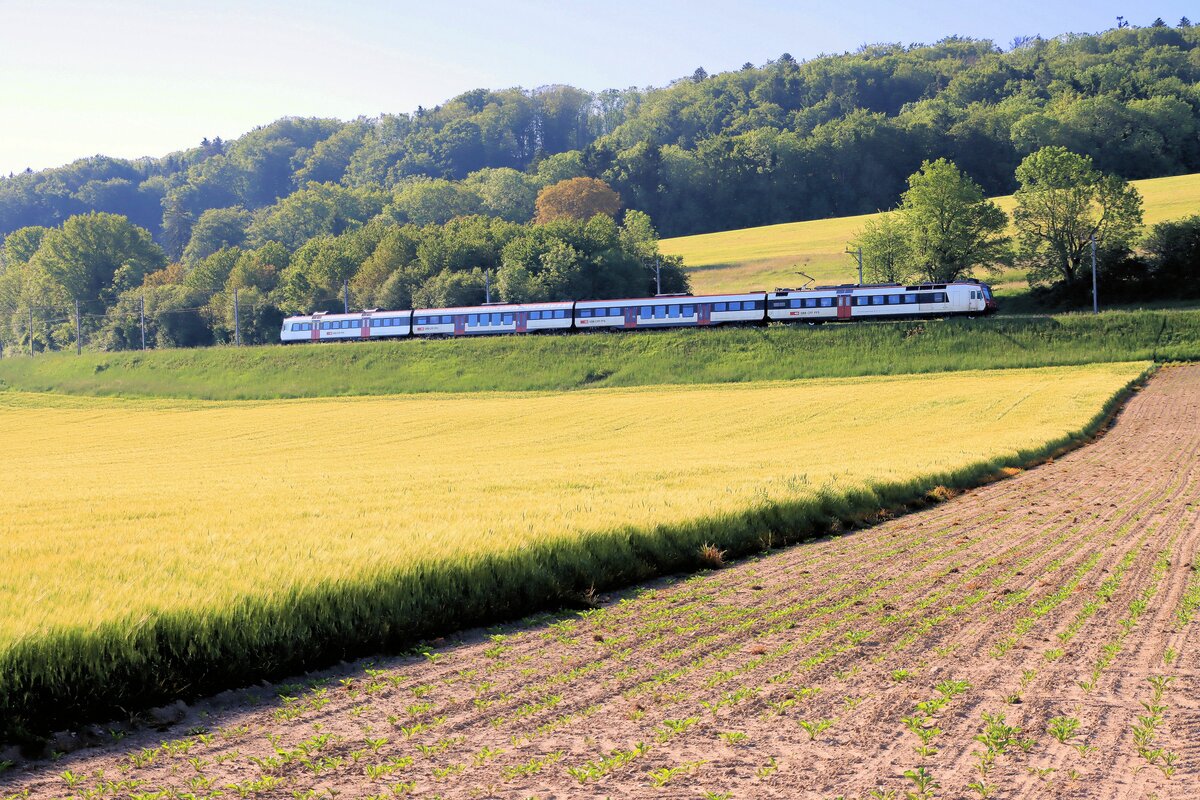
123	283
782	141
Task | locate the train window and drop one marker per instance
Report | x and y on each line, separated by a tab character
795	303
660	312
689	311
878	300
910	298
472	319
826	302
585	313
673	311
646	311
718	306
735	306
893	299
508	318
780	303
941	297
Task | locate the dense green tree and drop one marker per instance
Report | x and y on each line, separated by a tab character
96	256
504	193
952	228
1174	257
20	245
211	272
1062	204
321	209
217	228
259	269
425	202
887	251
172	315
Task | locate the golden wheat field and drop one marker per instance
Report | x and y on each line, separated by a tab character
128	507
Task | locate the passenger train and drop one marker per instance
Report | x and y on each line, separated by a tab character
813	305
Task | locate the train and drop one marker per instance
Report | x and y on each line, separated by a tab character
818	304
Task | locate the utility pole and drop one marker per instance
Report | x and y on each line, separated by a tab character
657	276
78	341
142	314
487	286
237	327
31	331
346	295
858	253
1095	292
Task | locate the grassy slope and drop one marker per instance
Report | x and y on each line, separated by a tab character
779	352
207	490
766	257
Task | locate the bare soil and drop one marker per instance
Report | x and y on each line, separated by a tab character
1064	592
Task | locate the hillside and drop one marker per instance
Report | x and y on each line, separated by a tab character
766	257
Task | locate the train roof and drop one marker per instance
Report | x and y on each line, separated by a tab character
490	308
914	287
668	297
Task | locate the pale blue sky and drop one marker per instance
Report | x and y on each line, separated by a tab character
146	77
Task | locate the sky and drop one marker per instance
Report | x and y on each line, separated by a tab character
129	78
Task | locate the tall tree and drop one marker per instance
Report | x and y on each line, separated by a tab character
1062	203
952	227
577	198
97	256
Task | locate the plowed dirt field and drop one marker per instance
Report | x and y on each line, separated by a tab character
1035	637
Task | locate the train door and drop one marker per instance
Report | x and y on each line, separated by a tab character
364	332
704	315
460	324
843	306
316	330
522	317
631	317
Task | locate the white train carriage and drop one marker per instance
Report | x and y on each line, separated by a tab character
879	301
668	311
492	318
368	324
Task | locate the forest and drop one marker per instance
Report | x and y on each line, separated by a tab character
786	140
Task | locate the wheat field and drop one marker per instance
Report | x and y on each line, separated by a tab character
228	519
